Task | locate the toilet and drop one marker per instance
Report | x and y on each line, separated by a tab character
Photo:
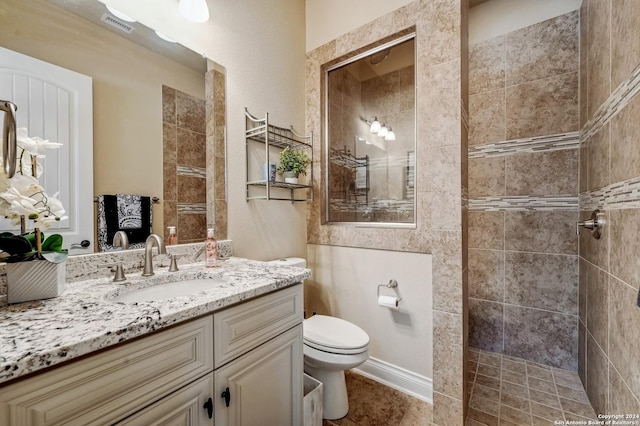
331	346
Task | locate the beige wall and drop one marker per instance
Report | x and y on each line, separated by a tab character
328	19
261	45
127	91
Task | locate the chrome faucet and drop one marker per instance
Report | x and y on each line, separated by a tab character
120	239
148	253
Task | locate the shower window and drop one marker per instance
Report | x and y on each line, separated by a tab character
371	138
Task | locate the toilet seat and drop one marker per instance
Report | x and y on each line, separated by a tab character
334	335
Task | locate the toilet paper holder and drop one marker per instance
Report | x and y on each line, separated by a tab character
392	284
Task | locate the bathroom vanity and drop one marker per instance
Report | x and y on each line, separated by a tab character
231	355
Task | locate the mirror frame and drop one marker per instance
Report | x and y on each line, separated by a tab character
325	136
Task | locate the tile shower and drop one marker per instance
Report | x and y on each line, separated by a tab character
523	190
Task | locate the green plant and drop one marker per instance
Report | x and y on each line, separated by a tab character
24	247
295	161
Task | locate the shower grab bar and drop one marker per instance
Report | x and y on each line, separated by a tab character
9	143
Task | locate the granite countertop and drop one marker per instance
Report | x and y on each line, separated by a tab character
37	335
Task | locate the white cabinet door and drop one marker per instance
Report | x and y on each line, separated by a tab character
264	386
186	407
57	104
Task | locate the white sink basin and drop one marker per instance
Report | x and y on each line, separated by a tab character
168	290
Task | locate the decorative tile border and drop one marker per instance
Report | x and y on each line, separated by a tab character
527	145
524	203
192	208
620	97
198	172
618	196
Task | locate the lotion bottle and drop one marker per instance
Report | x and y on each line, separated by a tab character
211	251
173	237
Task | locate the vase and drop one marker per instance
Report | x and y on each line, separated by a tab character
34	280
290	177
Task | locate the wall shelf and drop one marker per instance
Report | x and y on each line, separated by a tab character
259	131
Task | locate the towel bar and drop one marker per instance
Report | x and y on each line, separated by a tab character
154	199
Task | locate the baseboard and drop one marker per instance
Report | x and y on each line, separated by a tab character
406	381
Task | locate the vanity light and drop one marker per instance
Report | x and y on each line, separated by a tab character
391	136
195	10
165	38
375	125
120	15
383	132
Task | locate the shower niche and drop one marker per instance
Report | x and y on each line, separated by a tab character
370	137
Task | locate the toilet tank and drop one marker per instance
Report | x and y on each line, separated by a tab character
291	261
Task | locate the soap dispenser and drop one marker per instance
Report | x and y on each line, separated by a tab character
211	252
173	237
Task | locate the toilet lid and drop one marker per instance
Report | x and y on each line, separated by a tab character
331	333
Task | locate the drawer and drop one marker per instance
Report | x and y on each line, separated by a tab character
113	384
241	328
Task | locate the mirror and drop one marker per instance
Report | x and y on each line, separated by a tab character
371	142
128	71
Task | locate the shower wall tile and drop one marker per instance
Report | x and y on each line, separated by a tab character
584	43
621	399
192	228
545	173
446	188
582	352
169	145
170	182
486	274
543	107
168	105
447	269
530	59
486	230
542	281
625	47
597	376
486	176
191	189
544	337
598	54
487	117
441	103
598	147
625	245
486	324
442	28
625	156
170	215
583	178
190	113
597	288
191	146
541	231
624	345
486	65
596	251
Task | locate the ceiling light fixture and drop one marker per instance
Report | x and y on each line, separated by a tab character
375	125
383	132
165	38
391	136
120	15
194	10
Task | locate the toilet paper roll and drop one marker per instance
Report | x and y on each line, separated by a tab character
388	302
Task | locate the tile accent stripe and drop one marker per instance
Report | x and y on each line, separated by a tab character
195	208
192	171
620	97
524	203
527	145
620	195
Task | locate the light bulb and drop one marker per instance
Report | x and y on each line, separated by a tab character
375	125
383	131
390	135
120	15
194	10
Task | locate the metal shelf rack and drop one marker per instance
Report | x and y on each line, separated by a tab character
258	130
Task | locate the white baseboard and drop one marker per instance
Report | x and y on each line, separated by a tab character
406	381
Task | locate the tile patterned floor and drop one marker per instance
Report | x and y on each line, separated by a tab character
374	404
511	391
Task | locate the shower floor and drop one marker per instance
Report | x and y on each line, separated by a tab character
511	391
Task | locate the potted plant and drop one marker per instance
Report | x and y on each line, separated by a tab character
35	265
292	164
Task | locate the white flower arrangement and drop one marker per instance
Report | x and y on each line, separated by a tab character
22	198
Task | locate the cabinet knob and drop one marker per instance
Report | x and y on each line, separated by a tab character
227	396
209	407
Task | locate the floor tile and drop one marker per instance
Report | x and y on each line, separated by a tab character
515	416
515	402
542	385
546	412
